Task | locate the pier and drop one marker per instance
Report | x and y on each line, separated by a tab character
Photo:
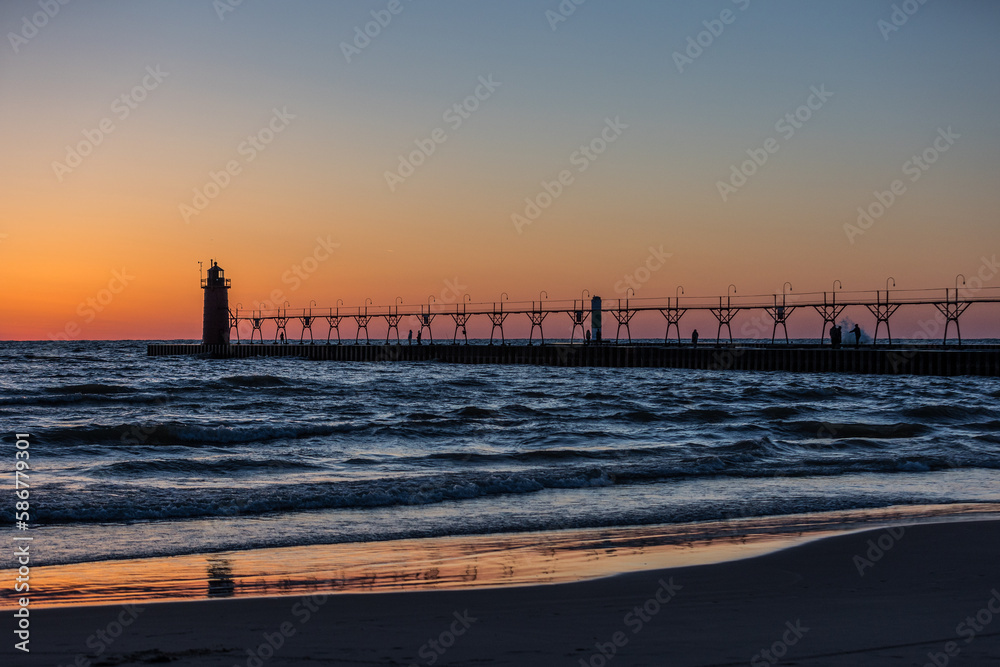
593	348
881	360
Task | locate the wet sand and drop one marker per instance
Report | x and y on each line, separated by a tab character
461	561
884	596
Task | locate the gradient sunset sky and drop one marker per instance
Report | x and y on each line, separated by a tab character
339	116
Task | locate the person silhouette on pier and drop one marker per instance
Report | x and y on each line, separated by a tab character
857	335
835	336
282	337
409	337
587	337
694	338
419	336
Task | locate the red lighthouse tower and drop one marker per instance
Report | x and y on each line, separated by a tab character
215	329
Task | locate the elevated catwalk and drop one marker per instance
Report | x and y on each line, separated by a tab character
881	359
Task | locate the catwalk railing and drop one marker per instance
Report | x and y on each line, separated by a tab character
951	303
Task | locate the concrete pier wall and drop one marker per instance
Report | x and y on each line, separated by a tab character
871	360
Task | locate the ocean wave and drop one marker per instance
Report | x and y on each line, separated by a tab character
638	416
542	439
473	412
466	382
794	393
840	444
130	503
522	410
993	425
124	502
703	415
360	437
914	466
818	429
749	445
745	451
71	359
780	411
951	412
175	433
423	416
252	381
534	394
544	455
154	467
58	399
90	388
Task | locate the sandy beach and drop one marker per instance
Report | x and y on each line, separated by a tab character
914	595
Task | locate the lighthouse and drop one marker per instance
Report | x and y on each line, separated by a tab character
215	330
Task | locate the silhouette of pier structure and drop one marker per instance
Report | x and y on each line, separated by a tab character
779	308
224	329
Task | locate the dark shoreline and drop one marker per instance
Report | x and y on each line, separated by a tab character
869	597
